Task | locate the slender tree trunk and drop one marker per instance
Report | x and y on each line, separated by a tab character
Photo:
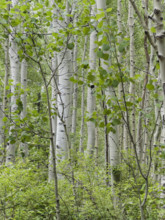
54	155
146	135
5	92
107	150
91	91
132	71
157	133
113	137
64	58
63	104
53	147
81	148
140	137
96	146
54	116
132	62
7	74
160	40
119	26
24	146
14	65
75	93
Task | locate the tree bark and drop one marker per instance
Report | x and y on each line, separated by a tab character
64	58
14	68
91	91
24	146
160	40
81	148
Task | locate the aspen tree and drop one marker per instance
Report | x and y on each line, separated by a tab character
132	59
14	68
122	128
132	72
140	137
54	87
5	92
64	96
160	40
75	90
91	100
113	137
160	51
24	146
81	148
7	71
119	26
74	114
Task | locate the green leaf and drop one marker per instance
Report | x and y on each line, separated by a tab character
70	46
100	16
19	105
55	35
106	47
156	95
7	87
157	66
129	103
91	77
123	46
150	87
115	83
101	125
153	30
45	119
116	121
86	30
85	65
109	10
12	141
5	119
72	79
105	56
100	53
107	112
80	82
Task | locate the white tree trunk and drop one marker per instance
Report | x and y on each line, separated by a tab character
63	104
24	146
75	93
119	26
160	39
64	58
14	65
81	148
91	91
7	73
132	71
5	92
132	49
113	137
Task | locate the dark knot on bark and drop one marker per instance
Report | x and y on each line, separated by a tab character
156	11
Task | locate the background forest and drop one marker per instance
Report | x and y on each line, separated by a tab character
82	110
